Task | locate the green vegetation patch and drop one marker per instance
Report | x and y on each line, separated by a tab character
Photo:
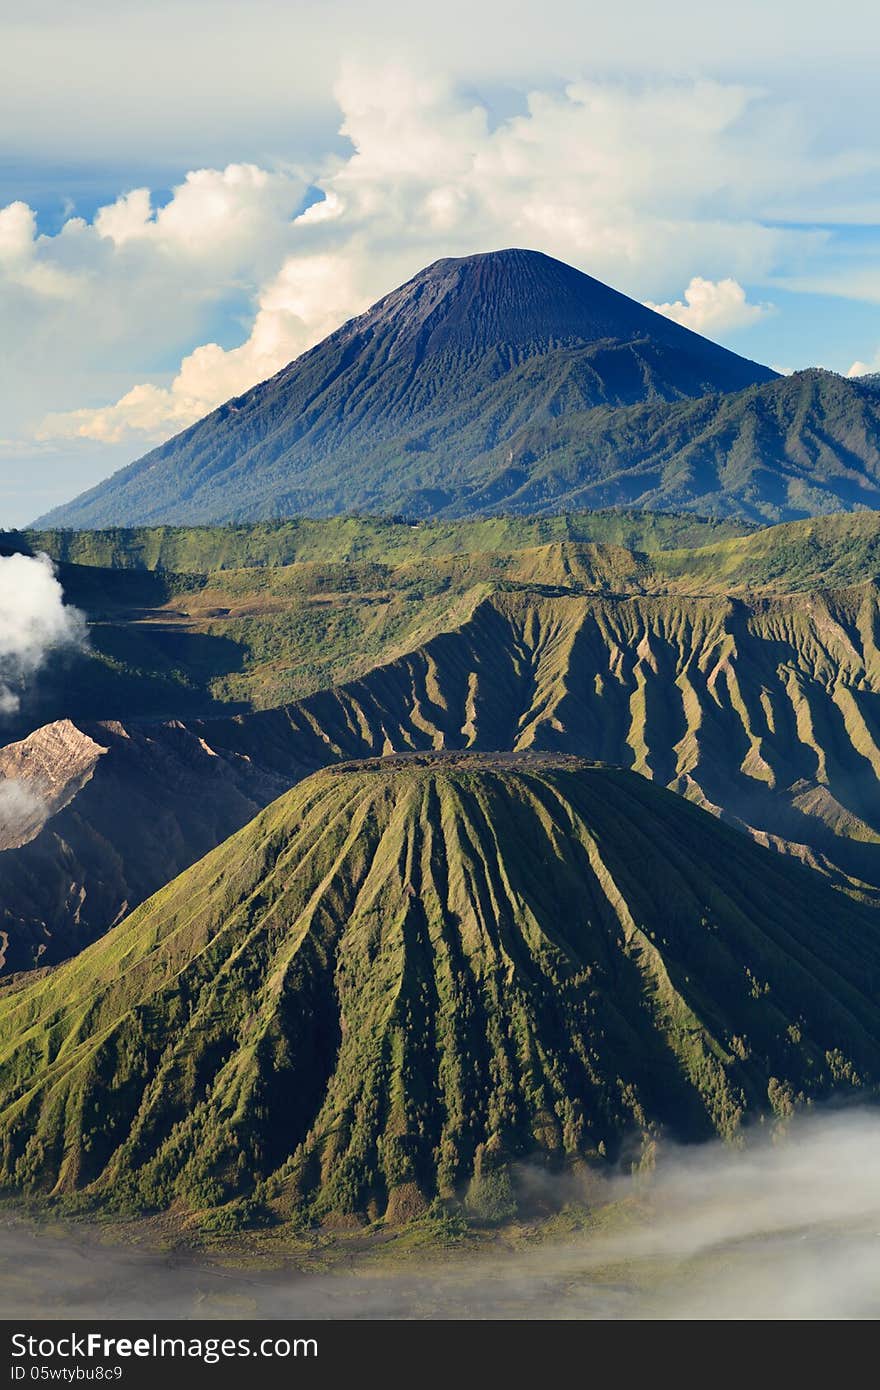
410	980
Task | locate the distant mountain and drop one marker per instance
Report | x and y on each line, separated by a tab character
804	445
408	974
408	406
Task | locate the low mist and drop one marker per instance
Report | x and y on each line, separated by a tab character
34	621
22	809
789	1227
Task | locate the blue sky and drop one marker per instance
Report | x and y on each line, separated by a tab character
194	193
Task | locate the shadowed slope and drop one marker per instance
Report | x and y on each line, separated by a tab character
104	815
407	973
765	710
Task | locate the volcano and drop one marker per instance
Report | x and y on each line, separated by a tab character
416	405
410	975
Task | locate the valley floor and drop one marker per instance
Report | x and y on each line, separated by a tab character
763	1233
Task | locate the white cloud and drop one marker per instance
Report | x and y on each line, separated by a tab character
634	183
713	307
34	621
213	211
129	218
309	297
631	184
866	368
19	264
172	77
89	313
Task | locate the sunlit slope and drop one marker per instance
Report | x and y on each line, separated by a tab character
767	711
406	974
363	539
821	553
277	612
676	550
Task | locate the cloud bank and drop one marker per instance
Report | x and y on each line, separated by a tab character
650	186
34	621
788	1228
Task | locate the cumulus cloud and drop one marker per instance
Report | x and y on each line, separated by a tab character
98	305
34	621
866	368
19	264
214	211
712	307
309	297
633	182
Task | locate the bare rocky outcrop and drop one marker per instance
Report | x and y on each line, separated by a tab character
41	774
102	815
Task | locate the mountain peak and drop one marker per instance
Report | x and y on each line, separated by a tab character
520	299
403	407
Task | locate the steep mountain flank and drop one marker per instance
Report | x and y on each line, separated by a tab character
406	975
406	407
766	711
802	446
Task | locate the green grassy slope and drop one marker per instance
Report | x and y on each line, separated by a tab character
186	623
405	975
828	552
691	667
359	539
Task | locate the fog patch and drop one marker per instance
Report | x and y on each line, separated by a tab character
34	621
22	810
788	1227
